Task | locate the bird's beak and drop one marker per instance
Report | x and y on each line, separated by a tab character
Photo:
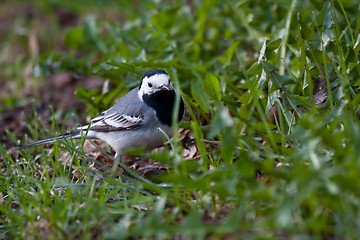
164	87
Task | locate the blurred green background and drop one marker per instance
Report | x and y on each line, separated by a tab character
272	94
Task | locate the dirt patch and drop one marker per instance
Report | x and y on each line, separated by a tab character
59	94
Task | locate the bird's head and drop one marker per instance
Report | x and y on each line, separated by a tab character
155	80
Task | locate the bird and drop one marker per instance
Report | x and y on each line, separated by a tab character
134	120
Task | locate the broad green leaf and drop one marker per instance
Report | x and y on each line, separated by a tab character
92	32
271	101
74	37
245	98
304	67
319	19
318	57
221	120
226	57
355	101
227	147
125	66
328	18
199	95
299	100
263	126
357	83
261	56
262	79
255	69
269	67
285	80
212	86
279	81
165	19
290	102
192	223
306	32
246	167
271	46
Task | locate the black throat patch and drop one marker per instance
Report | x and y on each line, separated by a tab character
163	102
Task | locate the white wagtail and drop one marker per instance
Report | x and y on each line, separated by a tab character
135	119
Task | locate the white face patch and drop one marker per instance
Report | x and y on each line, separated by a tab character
153	83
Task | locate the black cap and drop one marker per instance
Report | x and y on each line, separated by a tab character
155	72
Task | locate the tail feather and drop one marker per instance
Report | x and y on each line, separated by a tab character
73	134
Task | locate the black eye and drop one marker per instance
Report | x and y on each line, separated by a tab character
150	85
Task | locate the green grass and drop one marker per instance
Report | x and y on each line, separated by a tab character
281	157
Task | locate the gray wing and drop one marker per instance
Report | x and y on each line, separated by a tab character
127	113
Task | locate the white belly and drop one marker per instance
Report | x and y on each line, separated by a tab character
128	139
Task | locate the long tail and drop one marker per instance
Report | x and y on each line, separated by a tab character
76	134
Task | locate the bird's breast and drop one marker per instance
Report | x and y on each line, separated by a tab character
163	102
